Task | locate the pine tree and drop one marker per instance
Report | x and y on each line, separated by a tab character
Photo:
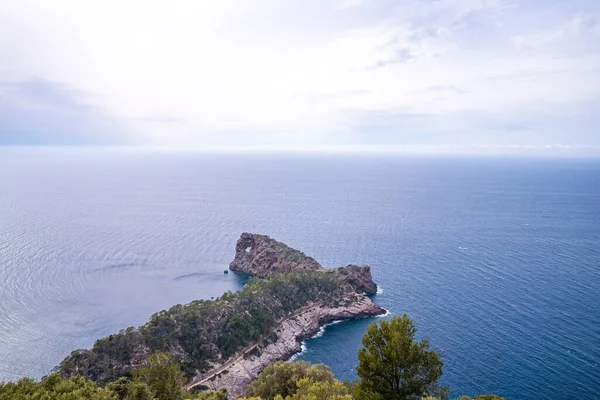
392	365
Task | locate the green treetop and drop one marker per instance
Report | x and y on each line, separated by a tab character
393	365
281	379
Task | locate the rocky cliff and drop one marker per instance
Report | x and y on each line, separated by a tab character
260	255
357	276
263	256
236	374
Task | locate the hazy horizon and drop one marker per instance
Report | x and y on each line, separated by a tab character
546	152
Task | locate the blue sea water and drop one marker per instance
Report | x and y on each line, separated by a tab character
497	261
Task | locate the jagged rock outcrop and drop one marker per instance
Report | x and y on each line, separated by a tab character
359	277
236	374
263	256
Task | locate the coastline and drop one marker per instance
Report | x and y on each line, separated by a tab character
292	332
321	332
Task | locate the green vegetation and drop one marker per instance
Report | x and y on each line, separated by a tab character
393	365
206	331
161	378
211	395
308	389
54	387
281	378
125	389
297	381
162	375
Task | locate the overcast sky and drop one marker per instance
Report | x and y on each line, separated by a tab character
476	74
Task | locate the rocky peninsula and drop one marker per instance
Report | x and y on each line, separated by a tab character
227	342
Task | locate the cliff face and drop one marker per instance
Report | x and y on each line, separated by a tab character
263	256
357	276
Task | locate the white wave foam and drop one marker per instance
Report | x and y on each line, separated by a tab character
316	335
320	333
387	312
302	351
379	290
322	329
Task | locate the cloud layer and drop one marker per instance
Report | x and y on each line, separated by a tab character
301	73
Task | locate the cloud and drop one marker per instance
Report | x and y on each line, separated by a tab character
311	73
38	111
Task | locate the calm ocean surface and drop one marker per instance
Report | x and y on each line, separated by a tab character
497	261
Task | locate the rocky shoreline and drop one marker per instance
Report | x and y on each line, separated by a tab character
237	374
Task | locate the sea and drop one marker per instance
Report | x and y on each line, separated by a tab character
496	260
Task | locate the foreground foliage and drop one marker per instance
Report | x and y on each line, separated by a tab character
393	365
160	379
297	381
281	378
309	389
55	387
163	376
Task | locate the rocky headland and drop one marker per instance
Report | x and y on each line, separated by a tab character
260	255
227	342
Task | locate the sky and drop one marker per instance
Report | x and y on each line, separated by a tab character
416	75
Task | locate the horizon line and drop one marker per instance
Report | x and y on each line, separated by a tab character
548	150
